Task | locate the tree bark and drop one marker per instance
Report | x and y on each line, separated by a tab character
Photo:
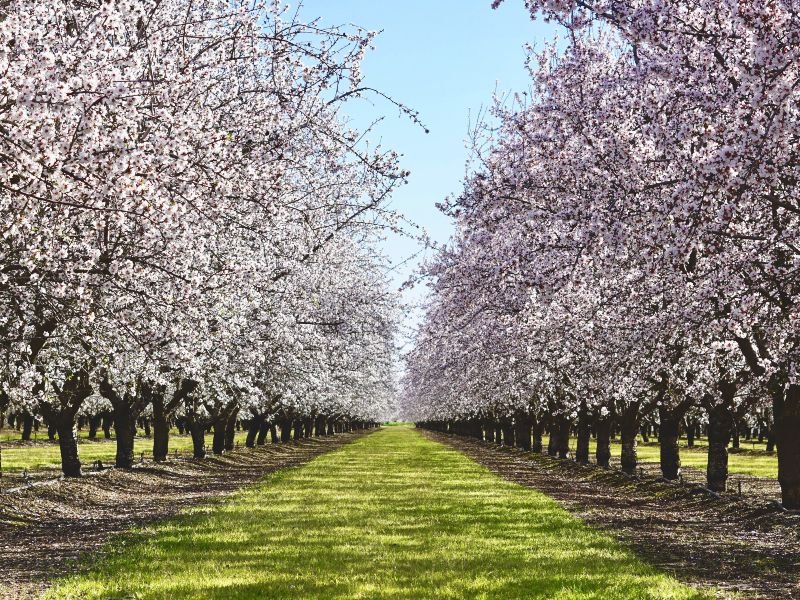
629	428
125	428
68	445
552	442
218	440
537	431
198	430
94	424
27	426
584	435
107	423
253	430
508	432
787	436
522	431
230	430
603	451
720	425
160	430
286	430
562	440
668	437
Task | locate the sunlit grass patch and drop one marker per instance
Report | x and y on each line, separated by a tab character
46	455
752	461
392	515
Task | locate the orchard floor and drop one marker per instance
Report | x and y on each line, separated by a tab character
50	530
392	515
396	514
735	544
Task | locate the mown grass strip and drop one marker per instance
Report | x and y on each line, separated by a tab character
393	515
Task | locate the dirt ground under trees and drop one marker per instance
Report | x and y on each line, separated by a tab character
45	529
733	543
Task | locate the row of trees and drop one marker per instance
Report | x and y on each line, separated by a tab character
187	220
627	245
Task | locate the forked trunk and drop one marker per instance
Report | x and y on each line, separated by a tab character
257	423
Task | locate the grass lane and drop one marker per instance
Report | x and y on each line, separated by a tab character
753	461
47	455
393	515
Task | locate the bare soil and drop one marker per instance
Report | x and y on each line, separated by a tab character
48	530
736	544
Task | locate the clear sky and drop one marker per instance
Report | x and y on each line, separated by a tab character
445	59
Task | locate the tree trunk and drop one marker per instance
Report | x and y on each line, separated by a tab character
253	430
218	441
198	430
263	431
787	437
108	421
125	428
230	431
94	424
603	451
68	445
562	440
584	435
331	427
629	428
286	430
508	432
522	431
27	426
720	425
488	431
298	429
668	437
160	430
537	431
552	442
690	432
273	433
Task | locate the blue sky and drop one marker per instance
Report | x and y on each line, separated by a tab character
445	59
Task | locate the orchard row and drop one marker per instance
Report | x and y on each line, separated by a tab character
627	244
187	222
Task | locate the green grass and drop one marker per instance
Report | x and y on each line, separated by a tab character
47	455
399	424
392	515
751	462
